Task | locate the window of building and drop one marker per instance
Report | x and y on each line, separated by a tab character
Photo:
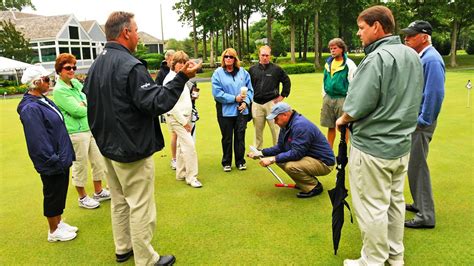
76	51
94	53
86	53
63	50
47	43
33	44
48	54
75	43
63	43
86	43
36	58
73	32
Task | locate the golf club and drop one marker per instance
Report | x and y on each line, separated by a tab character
281	184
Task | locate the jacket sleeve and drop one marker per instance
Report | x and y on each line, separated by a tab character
64	100
151	98
38	140
364	90
433	93
218	90
299	146
248	84
286	82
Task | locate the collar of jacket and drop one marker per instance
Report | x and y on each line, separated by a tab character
329	61
65	84
290	122
264	66
385	40
116	45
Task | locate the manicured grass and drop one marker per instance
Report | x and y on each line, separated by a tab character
240	217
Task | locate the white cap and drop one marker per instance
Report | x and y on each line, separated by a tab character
34	73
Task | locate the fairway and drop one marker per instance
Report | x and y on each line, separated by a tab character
240	218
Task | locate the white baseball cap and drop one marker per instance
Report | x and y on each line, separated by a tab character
34	73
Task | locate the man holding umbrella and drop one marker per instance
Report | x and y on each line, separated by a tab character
302	150
382	104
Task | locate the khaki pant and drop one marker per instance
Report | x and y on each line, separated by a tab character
86	150
186	156
305	171
133	208
379	205
259	115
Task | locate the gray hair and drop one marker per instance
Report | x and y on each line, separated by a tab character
429	39
116	22
169	54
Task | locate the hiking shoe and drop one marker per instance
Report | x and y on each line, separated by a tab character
66	227
88	203
103	195
61	235
195	183
242	167
173	164
227	168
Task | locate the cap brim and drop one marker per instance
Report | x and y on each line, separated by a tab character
408	31
271	116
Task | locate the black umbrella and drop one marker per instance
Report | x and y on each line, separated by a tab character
339	193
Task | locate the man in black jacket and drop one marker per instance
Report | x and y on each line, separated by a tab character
266	78
124	103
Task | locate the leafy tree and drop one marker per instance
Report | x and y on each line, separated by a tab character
13	44
15	4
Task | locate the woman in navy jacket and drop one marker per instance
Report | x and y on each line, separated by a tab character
49	147
233	92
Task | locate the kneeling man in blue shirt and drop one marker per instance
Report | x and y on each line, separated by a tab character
302	151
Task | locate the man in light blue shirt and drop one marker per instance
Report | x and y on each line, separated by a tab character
418	37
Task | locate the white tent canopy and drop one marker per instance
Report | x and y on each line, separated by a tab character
10	65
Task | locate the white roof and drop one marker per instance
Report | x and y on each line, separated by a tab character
8	65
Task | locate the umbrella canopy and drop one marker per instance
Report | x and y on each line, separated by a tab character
339	193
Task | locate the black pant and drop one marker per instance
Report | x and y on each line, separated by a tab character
54	192
232	127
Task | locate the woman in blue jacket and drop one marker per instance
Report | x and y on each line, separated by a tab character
49	147
233	92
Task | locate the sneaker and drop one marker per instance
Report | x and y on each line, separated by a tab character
227	168
242	167
66	227
173	164
103	195
88	203
61	235
195	183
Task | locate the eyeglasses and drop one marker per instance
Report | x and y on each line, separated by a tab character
228	56
68	68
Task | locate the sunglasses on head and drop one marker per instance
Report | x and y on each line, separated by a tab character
68	68
228	56
45	79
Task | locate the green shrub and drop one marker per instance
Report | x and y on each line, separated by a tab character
153	63
298	68
157	56
7	83
470	47
10	90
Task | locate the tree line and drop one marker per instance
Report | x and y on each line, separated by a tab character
302	26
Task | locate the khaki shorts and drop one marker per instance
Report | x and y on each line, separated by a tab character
331	111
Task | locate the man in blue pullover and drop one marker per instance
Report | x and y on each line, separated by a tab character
418	37
302	150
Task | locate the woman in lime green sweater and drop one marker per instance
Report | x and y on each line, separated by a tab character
72	102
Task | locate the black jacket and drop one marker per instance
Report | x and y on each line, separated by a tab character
162	72
48	142
266	81
124	103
